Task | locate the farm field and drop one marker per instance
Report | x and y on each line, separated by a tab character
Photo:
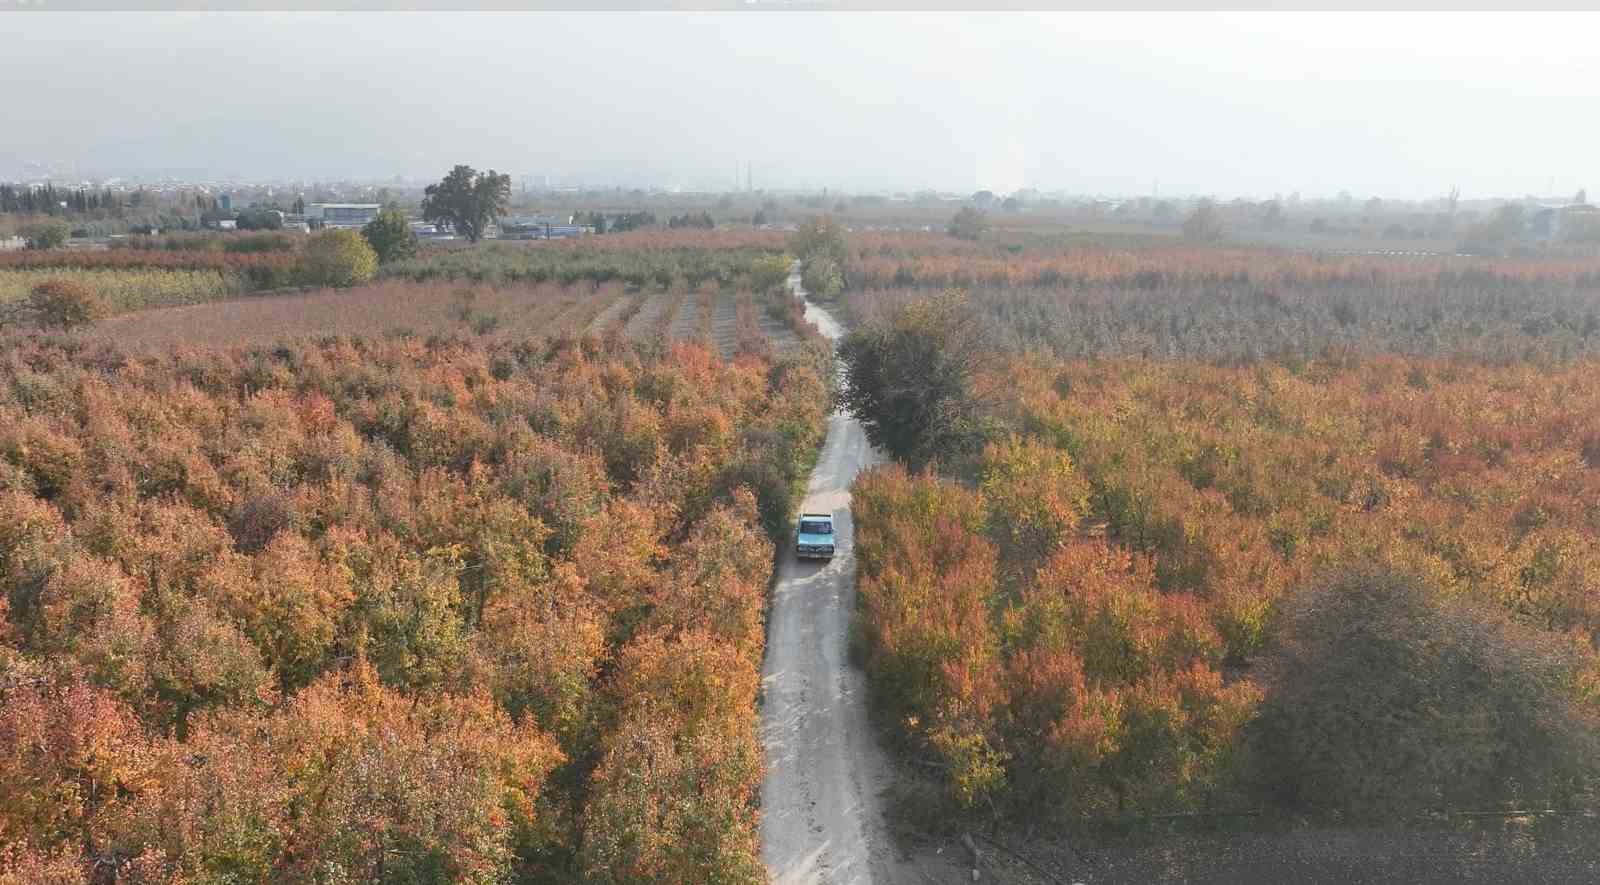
1052	447
677	286
237	271
451	559
1202	534
375	310
1097	596
128	289
401	559
502	313
1219	492
1232	303
638	258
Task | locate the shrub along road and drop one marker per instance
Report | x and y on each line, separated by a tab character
821	816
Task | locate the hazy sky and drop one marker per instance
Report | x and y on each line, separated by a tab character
1400	105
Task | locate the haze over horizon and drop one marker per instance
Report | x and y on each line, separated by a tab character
1394	105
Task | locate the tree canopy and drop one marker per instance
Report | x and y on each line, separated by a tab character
259	218
969	223
819	243
467	201
1205	222
339	258
1391	697
46	235
909	379
390	235
65	304
820	236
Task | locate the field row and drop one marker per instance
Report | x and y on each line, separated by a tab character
729	321
128	289
506	313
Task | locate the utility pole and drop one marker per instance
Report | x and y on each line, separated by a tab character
749	176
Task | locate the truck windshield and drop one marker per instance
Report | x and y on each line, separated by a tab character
815	527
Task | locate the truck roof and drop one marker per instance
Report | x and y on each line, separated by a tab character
816	515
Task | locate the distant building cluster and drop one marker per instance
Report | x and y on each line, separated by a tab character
1565	221
540	227
341	215
354	216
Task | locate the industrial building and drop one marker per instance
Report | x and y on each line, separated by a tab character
341	214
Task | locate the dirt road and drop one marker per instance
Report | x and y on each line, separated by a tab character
821	818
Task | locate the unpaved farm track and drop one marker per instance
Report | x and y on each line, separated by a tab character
612	314
783	338
821	816
686	325
725	324
644	322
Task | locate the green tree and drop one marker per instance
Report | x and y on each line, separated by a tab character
769	273
1389	697
1205	222
821	246
1507	224
820	236
256	218
467	200
46	235
908	379
390	235
1272	215
338	258
821	277
969	223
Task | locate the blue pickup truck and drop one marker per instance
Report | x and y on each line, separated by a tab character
814	540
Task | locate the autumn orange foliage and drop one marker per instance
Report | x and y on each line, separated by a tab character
425	611
1083	629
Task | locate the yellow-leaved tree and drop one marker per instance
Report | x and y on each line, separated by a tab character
338	258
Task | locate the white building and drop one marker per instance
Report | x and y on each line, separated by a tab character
342	214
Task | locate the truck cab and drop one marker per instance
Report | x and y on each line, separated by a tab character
814	540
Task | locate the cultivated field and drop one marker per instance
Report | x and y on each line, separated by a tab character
440	580
376	310
438	610
1235	304
1207	530
1214	535
738	321
126	290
